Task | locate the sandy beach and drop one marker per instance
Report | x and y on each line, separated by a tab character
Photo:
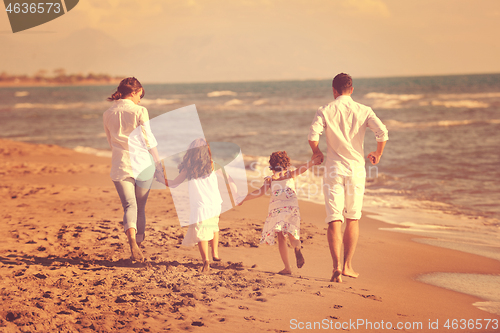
65	264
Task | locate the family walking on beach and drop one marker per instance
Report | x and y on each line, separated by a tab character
344	122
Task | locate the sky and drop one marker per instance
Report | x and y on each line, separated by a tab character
164	41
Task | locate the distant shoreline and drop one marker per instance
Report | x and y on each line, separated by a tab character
60	78
34	83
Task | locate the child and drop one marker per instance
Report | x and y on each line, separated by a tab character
204	198
283	218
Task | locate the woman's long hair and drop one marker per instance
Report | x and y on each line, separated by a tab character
126	87
198	160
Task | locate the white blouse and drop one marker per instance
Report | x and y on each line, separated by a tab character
120	120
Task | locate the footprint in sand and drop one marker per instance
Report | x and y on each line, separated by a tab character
197	323
373	297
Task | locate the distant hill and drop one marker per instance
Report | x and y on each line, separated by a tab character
59	77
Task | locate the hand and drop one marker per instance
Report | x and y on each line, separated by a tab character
159	175
318	155
317	160
374	157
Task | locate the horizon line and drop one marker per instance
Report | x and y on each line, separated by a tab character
323	79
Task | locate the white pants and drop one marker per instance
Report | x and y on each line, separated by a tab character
343	197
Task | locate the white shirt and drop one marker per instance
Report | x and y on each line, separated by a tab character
119	121
345	122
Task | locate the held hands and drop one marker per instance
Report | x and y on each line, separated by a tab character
317	160
317	157
374	157
159	175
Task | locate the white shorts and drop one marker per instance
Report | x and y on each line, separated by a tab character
343	197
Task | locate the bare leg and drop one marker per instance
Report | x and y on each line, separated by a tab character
136	253
351	235
214	243
284	254
334	236
298	255
203	247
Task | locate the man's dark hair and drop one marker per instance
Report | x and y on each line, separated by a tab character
342	83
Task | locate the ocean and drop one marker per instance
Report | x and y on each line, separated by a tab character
438	177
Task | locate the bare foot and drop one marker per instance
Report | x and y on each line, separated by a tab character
300	258
350	273
136	253
206	267
337	276
285	272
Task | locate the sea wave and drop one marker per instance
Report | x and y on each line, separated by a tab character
465	103
398	101
395	124
221	93
469	96
260	101
63	106
391	101
58	106
159	101
401	97
233	102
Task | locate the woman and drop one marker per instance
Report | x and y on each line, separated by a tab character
133	186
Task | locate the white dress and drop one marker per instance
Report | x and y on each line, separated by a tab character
205	207
283	215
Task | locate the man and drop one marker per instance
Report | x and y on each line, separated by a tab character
345	123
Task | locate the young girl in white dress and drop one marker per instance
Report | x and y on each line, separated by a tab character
205	200
283	218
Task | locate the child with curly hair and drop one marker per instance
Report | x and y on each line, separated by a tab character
283	218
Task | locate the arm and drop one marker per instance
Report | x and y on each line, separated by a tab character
375	156
178	180
159	174
151	144
381	135
304	167
258	193
154	152
316	151
316	129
